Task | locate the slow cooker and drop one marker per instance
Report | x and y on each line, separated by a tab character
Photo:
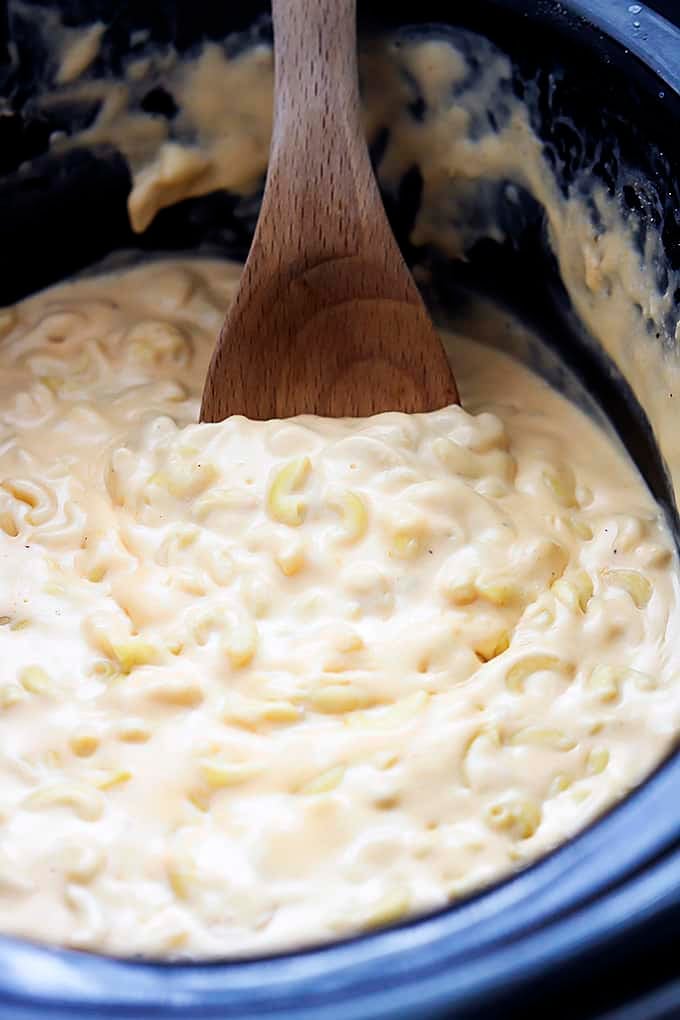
590	930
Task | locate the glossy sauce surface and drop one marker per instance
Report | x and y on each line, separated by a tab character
264	683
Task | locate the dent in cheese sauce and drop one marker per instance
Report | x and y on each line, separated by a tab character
269	682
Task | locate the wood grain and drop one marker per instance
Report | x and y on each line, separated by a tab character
327	319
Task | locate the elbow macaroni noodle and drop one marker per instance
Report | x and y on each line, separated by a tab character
268	682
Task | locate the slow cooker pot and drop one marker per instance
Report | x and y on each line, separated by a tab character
590	929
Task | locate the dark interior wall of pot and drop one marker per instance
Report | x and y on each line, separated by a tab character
569	89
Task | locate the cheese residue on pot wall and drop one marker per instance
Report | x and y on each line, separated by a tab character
470	138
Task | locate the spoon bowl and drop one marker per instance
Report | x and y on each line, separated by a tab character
327	319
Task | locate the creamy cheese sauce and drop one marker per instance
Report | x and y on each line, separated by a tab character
268	683
264	683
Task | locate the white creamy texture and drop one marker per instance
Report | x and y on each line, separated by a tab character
263	683
338	672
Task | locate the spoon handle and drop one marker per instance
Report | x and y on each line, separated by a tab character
319	165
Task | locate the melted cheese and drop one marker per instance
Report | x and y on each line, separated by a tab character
263	683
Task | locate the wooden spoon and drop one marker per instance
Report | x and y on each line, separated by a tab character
327	319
